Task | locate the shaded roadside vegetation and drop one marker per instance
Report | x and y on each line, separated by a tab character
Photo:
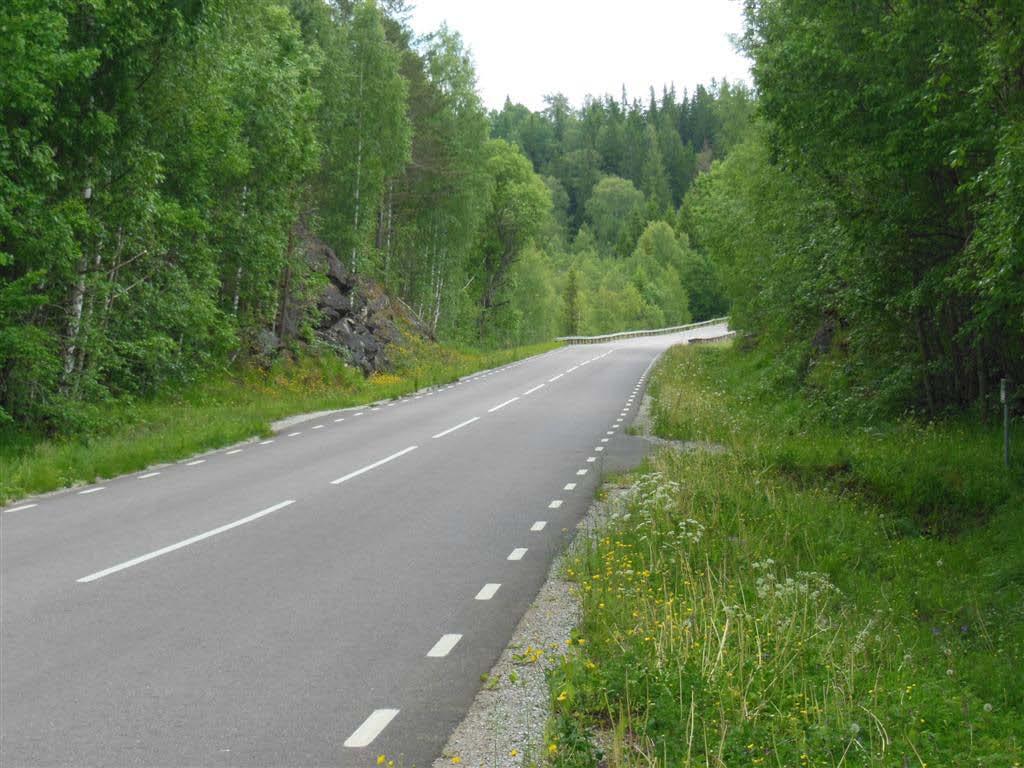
869	225
824	593
231	406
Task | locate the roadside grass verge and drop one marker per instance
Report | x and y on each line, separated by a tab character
819	595
225	408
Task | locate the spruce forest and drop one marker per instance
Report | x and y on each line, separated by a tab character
166	164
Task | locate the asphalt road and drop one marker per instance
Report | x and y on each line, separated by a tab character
311	600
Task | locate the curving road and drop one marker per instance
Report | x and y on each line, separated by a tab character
313	599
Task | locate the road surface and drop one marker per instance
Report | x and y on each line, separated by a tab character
314	599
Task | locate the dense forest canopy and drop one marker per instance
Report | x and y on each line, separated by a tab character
870	228
164	163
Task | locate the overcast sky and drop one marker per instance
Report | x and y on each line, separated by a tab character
528	48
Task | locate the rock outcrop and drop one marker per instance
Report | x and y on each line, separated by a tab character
350	313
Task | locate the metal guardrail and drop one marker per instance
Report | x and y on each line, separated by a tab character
634	334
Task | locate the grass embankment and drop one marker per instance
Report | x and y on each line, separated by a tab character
819	595
222	409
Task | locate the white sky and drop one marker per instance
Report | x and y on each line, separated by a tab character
529	48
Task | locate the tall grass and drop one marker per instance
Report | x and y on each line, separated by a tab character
799	600
224	408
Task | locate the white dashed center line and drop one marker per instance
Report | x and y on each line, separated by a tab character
604	439
591	459
502	405
266	442
233	452
194	463
556	378
91	490
371	728
148	475
517	553
338	421
294	434
457	426
488	591
181	544
569	487
443	646
555	504
539	525
599	448
581	472
319	426
531	391
375	464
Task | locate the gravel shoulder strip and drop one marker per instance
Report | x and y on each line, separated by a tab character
504	727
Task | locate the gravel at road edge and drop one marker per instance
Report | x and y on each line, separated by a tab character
504	727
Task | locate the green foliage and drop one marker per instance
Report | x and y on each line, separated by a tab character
518	200
902	124
755	606
164	167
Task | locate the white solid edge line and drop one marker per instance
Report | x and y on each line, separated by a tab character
371	728
539	525
148	475
182	543
517	553
570	370
443	646
488	591
19	509
556	378
233	452
531	391
555	504
375	464
194	463
569	487
457	426
91	490
502	405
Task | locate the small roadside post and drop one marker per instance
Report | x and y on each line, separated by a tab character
1004	399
